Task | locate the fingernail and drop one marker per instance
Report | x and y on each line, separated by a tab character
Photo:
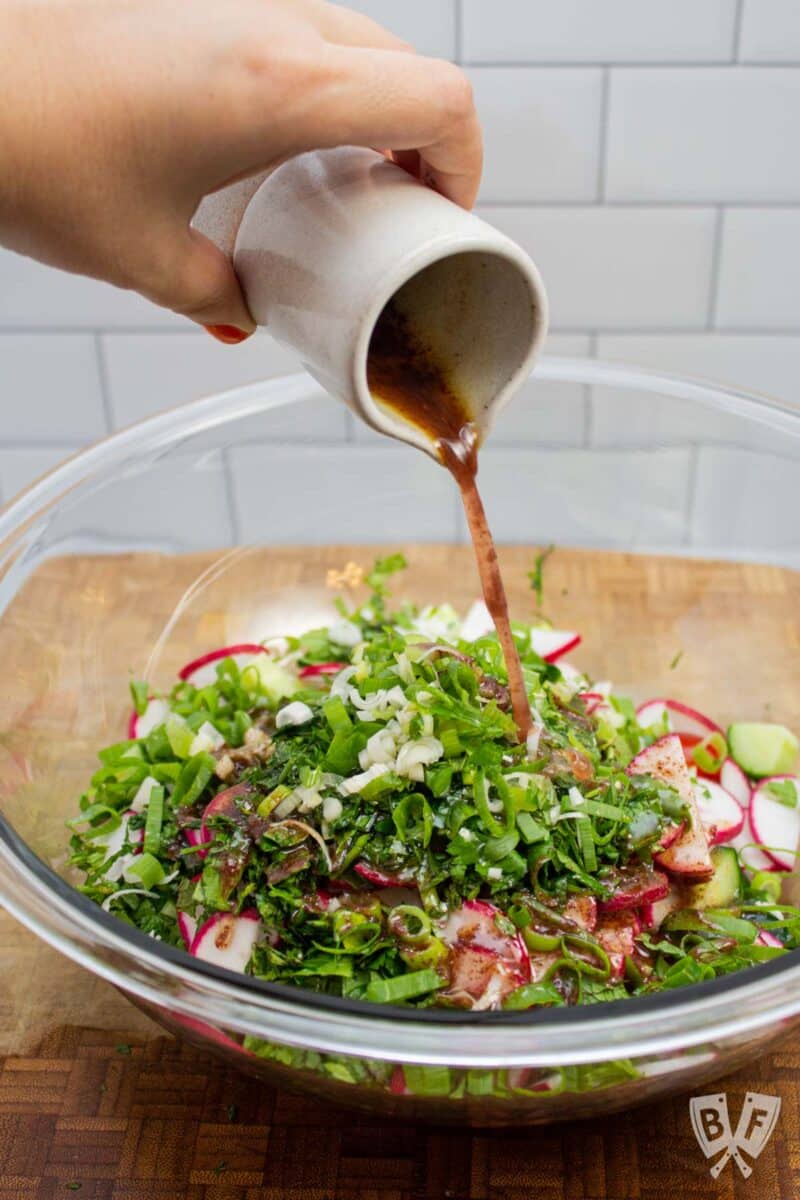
227	333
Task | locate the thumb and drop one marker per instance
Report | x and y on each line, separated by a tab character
201	284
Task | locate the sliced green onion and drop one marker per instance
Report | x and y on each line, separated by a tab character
531	831
497	849
686	971
111	756
427	1081
336	714
403	987
480	792
413	818
540	942
381	786
153	823
583	827
709	754
179	735
480	1083
147	869
140	693
532	994
90	814
451	743
598	808
410	924
193	779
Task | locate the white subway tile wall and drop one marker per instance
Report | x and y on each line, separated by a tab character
646	156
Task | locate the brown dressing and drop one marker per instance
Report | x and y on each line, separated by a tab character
402	375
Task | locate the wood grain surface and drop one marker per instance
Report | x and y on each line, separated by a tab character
97	1102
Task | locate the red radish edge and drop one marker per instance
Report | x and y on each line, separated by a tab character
646	893
775	826
721	813
665	759
571	641
372	875
195	838
205	929
765	938
734	780
188	928
327	668
215	655
676	708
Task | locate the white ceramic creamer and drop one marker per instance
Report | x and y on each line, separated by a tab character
327	239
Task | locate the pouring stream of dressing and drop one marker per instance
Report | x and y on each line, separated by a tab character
403	376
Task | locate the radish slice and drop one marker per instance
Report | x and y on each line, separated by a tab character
552	644
379	878
670	834
195	838
187	926
734	780
485	963
765	938
315	669
583	911
202	671
591	701
776	825
751	857
680	718
477	623
653	915
721	814
226	940
643	887
155	714
223	804
616	933
665	760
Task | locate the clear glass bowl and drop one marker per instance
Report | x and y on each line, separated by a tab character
674	508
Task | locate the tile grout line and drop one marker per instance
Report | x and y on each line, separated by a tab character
588	398
716	270
105	382
602	138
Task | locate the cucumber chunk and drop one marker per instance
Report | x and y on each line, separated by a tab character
761	749
725	887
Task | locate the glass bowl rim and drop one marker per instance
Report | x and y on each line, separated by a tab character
685	1017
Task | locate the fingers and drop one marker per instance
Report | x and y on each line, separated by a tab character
345	27
197	280
382	98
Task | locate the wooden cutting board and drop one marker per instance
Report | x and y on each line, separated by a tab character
96	1102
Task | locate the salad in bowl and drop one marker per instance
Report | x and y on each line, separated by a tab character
351	811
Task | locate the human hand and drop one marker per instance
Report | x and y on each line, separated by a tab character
118	116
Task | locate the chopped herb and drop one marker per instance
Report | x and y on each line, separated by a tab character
536	575
123	1048
676	660
402	845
